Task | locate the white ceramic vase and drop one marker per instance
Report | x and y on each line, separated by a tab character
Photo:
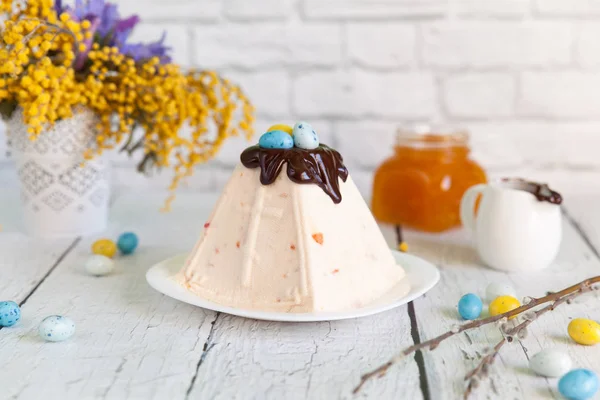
61	195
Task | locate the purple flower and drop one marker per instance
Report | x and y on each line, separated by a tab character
110	15
89	8
140	51
109	29
123	29
82	56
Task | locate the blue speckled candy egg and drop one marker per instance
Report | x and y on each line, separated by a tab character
276	140
579	384
305	136
56	328
127	242
470	306
10	313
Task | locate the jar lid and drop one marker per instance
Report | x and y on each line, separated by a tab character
432	136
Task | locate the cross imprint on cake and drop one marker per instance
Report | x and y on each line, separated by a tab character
57	200
79	179
34	178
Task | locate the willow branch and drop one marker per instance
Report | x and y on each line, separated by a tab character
556	298
481	370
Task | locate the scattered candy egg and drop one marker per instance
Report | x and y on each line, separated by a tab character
584	331
579	384
281	127
276	140
104	247
127	242
503	304
10	313
305	136
470	306
551	363
496	289
99	265
56	328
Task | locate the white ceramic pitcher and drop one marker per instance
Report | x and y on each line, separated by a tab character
518	225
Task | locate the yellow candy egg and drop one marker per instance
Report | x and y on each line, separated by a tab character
104	247
503	304
281	127
584	331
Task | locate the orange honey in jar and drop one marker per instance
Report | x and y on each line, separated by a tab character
422	184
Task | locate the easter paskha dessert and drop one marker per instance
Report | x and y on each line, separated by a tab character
291	233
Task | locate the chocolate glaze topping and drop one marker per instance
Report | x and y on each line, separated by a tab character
321	166
541	191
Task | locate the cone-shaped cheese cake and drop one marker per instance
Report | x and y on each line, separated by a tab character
291	233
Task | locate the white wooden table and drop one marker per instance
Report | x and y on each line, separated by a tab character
132	342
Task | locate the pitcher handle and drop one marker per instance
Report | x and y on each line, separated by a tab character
467	206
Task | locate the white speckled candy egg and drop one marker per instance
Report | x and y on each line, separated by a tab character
551	363
56	328
305	136
496	289
99	265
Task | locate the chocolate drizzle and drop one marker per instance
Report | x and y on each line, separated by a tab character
321	166
541	191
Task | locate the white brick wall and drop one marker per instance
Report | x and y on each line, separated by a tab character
479	94
358	93
496	44
522	75
369	45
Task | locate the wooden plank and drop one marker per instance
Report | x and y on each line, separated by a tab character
24	261
462	272
131	342
270	360
584	213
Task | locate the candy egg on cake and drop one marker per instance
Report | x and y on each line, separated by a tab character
305	136
281	127
276	140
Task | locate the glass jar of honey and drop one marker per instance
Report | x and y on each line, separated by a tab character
422	184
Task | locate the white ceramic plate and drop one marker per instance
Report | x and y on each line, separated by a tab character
422	276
